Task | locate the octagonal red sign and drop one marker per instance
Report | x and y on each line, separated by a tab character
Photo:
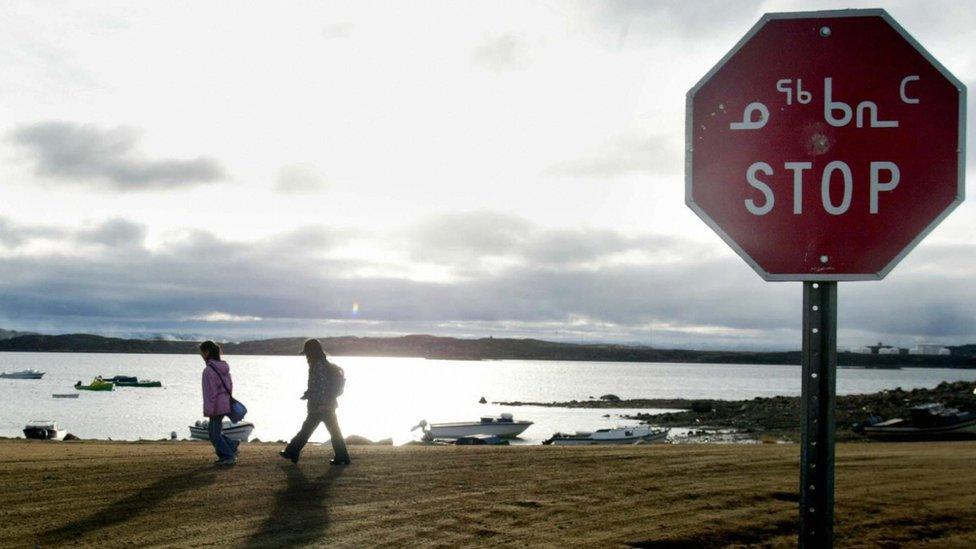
825	145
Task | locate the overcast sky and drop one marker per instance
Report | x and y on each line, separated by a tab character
455	168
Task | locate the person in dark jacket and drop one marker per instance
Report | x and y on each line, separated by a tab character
324	384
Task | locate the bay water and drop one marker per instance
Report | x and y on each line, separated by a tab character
385	397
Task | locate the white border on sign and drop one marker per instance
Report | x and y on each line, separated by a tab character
960	147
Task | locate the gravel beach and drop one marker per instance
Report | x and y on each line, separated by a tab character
117	494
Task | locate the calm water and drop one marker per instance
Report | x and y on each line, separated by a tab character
384	397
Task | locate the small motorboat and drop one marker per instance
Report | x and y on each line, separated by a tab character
145	383
132	381
23	374
620	435
121	379
931	421
65	395
41	429
97	384
234	431
503	426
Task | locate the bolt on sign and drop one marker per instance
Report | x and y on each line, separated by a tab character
824	147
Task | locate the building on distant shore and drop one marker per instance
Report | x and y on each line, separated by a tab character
882	349
924	349
861	350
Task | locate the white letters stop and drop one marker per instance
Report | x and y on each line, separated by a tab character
836	180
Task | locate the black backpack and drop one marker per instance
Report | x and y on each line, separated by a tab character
337	381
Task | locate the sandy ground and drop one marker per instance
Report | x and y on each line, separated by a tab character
168	494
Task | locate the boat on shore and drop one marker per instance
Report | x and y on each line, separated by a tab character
65	395
620	435
481	440
23	374
503	426
234	431
927	422
41	429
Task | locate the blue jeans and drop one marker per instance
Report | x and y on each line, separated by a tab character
225	447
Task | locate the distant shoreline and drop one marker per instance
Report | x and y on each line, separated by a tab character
449	348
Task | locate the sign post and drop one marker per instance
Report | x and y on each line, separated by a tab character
824	147
818	367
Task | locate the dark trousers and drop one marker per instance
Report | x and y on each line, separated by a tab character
319	414
225	447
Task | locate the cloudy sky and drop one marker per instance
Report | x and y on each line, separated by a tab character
456	168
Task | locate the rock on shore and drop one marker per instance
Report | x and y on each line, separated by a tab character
780	416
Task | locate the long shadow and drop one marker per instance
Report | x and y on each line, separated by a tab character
137	504
299	516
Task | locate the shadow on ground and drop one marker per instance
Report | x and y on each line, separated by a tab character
747	535
137	504
300	513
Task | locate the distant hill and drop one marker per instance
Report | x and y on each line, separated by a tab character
964	350
7	334
434	347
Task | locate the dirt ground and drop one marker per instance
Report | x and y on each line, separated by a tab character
169	494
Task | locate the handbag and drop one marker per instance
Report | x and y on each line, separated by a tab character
237	408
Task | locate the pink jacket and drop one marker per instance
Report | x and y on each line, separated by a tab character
216	399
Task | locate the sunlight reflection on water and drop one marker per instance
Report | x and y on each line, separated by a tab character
384	397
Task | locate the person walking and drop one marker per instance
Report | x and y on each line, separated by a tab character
325	383
217	388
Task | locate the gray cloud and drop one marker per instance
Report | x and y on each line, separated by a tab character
82	153
115	233
500	53
654	154
464	241
464	237
554	286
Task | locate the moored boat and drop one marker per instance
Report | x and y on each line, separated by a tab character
121	379
132	381
96	385
234	431
41	429
145	383
504	426
23	374
620	435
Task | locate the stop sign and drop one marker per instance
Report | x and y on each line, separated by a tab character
825	145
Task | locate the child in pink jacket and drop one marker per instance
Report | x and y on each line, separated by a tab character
217	388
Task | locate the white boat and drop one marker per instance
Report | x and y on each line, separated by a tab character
503	426
620	435
23	374
234	431
42	429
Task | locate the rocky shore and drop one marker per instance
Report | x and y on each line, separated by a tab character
778	417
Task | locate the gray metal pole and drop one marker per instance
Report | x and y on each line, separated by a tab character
819	363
